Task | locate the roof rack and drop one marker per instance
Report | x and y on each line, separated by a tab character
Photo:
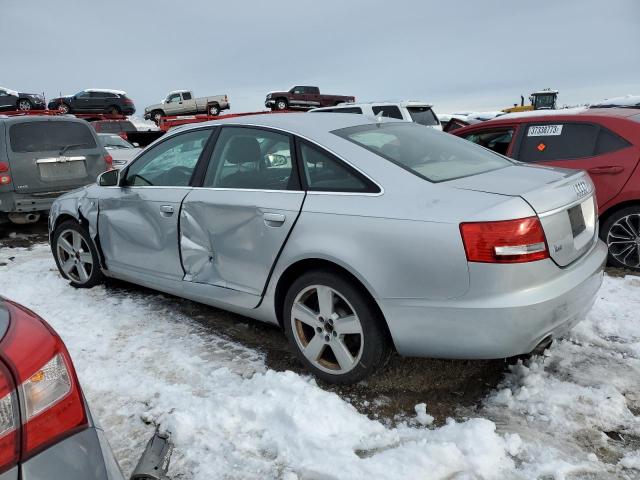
174	121
89	117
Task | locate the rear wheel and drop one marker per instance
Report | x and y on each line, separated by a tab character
621	232
335	330
76	255
214	110
24	105
114	110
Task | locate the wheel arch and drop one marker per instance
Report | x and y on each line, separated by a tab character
294	270
616	208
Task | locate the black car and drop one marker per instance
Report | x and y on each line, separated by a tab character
12	100
95	100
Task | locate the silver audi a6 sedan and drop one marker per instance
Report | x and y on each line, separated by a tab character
355	235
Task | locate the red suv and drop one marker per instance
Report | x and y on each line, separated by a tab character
603	141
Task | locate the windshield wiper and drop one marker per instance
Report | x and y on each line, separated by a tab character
67	147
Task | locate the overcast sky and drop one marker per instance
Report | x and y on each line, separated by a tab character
463	55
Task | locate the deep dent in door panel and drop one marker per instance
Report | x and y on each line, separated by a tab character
196	250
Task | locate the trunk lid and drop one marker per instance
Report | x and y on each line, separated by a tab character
563	199
53	156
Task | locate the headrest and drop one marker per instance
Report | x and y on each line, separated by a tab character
242	149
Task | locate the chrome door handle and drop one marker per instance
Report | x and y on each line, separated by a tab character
166	210
273	219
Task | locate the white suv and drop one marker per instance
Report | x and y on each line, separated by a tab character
418	112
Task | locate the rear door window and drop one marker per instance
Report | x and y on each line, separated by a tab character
544	142
423	116
390	111
325	173
50	136
496	140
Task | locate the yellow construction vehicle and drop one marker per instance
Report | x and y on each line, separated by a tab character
542	100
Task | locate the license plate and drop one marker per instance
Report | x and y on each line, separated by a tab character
62	171
577	220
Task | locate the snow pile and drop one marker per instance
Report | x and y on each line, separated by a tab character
141	360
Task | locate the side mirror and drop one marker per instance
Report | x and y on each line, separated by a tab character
110	178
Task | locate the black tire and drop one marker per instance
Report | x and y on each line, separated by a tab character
281	104
93	276
155	116
621	233
372	344
64	108
114	110
213	110
24	104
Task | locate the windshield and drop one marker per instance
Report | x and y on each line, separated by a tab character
113	141
427	153
423	116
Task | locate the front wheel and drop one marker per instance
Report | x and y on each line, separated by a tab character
24	105
64	108
156	116
76	256
621	233
281	104
335	330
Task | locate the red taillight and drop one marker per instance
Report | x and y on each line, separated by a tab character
48	390
108	161
9	421
508	241
5	178
123	135
128	101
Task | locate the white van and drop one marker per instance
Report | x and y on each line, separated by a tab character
411	111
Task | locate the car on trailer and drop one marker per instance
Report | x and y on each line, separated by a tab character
95	100
183	102
302	97
605	142
13	100
47	430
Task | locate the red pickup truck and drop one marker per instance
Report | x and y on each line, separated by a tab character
303	98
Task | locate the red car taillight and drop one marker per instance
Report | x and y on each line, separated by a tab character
5	178
9	421
508	241
128	101
47	389
108	161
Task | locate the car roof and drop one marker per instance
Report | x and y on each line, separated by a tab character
10	120
105	90
401	103
583	114
297	123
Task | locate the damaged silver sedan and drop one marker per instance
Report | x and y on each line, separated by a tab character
355	235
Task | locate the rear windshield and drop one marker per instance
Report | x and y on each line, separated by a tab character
423	115
425	152
49	136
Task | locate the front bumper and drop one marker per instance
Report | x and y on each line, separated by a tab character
269	103
509	309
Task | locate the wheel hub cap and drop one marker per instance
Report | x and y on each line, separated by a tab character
327	329
623	240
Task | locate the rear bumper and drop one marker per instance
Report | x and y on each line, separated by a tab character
508	311
85	455
24	202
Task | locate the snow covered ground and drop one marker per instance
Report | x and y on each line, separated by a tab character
574	413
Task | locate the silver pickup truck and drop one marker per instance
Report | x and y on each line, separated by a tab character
182	102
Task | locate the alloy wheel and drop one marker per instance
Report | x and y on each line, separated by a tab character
623	240
24	105
74	256
327	329
63	108
281	105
